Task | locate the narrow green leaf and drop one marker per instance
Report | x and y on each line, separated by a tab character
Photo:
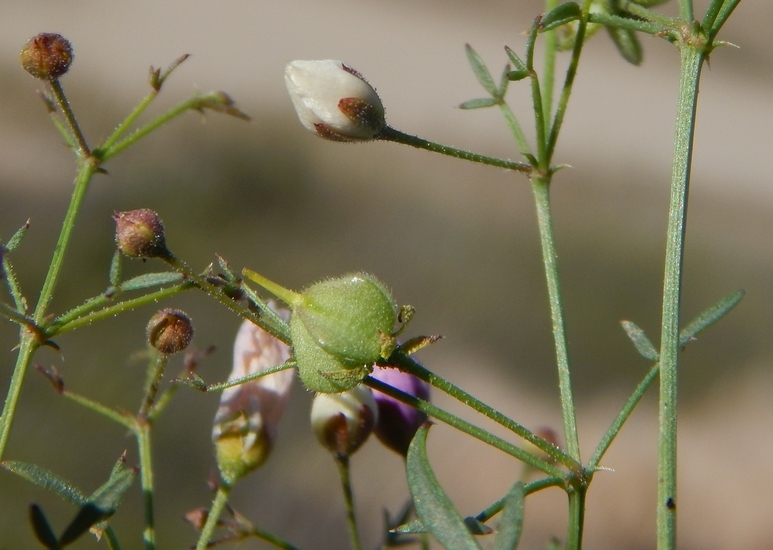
15	240
479	103
511	522
42	529
504	81
413	527
627	44
101	504
433	507
151	279
517	75
710	316
115	268
640	340
560	15
47	480
517	62
481	71
87	516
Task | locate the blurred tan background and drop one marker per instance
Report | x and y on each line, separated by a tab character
456	241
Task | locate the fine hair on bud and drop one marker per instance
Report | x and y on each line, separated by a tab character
46	56
140	234
170	331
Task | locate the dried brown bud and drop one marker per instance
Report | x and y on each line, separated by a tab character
170	331
46	56
140	234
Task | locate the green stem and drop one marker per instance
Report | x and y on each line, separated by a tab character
409	365
218	504
27	348
85	172
576	518
465	427
155	375
622	417
250	377
625	23
220	295
99	408
142	432
118	132
515	128
76	319
691	63
566	91
549	71
192	103
342	462
530	488
685	10
64	105
390	134
541	190
647	14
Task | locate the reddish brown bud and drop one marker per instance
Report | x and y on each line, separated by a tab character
170	331
46	56
140	234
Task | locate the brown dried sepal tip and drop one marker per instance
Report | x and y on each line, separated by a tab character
170	331
46	56
140	234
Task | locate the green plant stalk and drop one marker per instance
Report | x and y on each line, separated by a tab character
566	91
390	134
576	517
515	128
64	105
625	23
215	511
122	419
342	463
28	342
549	71
155	375
691	63
647	14
530	488
218	294
621	418
555	453
76	319
142	432
465	427
112	540
541	188
686	10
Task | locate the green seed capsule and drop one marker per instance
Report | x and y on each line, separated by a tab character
339	328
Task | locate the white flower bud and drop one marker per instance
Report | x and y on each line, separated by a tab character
343	421
334	101
246	423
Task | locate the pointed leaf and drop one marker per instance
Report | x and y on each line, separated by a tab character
101	504
710	316
42	529
504	81
477	527
115	268
47	480
433	507
412	527
511	523
640	340
481	71
514	76
479	103
151	279
560	15
14	241
517	62
627	44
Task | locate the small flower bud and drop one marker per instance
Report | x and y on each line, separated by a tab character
334	101
343	421
46	56
247	421
398	422
170	331
140	234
